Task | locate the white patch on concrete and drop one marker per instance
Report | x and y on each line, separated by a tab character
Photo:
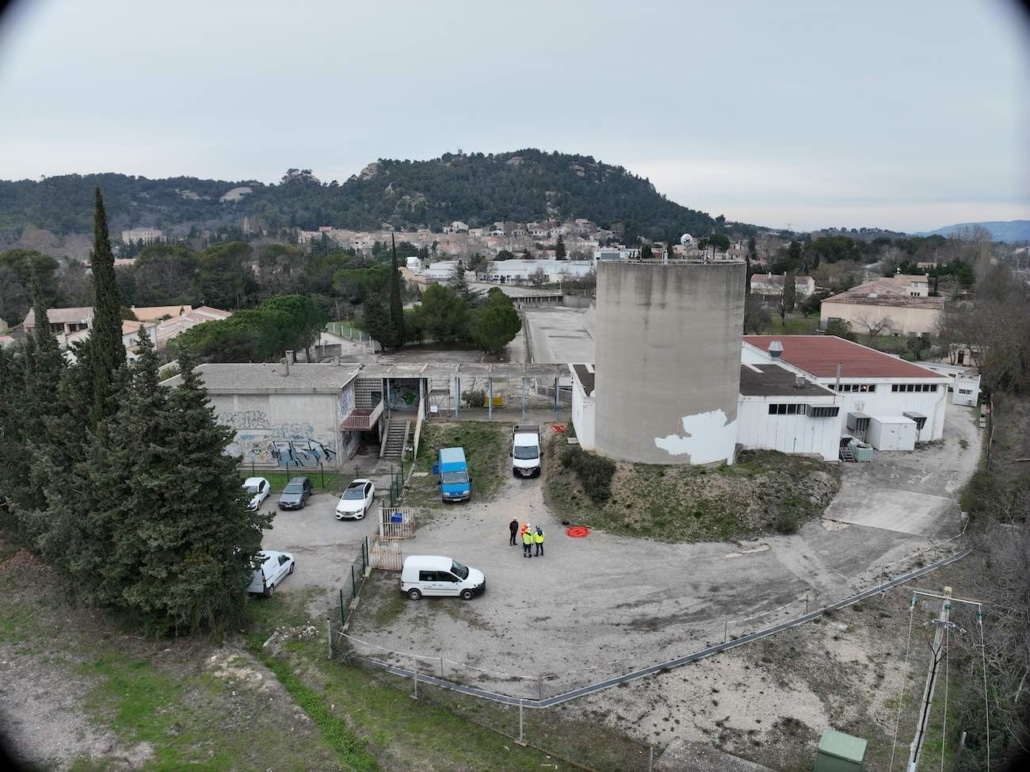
742	553
707	437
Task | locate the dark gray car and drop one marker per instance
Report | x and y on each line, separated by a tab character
296	493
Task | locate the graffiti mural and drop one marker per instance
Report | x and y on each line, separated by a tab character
277	447
244	419
306	452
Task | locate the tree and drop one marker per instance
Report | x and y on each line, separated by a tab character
443	315
205	539
537	279
790	289
478	263
305	321
496	324
223	279
396	303
840	328
376	321
105	352
459	283
164	273
17	269
559	248
1000	351
751	258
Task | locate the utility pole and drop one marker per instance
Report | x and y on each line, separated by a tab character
941	625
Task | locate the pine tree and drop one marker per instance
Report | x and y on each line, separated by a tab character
39	405
559	249
377	321
396	302
14	460
208	534
104	350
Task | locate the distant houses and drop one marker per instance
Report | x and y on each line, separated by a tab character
161	323
898	305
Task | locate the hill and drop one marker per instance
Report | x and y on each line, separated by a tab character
1011	231
523	186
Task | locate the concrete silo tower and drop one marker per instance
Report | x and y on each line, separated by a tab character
668	340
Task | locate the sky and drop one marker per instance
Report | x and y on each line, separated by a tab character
800	114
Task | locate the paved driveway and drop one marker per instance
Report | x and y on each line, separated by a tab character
913	493
323	546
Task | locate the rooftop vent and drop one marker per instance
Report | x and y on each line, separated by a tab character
775	349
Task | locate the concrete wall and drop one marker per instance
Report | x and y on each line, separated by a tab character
275	429
668	341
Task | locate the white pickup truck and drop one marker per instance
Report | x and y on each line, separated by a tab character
525	450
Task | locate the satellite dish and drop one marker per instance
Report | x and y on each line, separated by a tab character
686	239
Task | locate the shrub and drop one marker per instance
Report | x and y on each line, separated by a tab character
594	472
475	398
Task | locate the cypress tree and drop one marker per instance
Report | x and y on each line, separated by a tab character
104	350
396	302
209	536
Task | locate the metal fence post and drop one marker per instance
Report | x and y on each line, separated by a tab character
343	614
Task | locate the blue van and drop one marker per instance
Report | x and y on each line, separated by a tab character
454	481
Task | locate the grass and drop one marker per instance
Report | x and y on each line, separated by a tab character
324	482
765	492
486	450
368	716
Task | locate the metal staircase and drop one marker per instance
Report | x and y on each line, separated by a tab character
847	453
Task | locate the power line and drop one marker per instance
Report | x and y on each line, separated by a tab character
904	684
987	706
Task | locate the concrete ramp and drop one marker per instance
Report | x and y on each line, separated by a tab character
918	514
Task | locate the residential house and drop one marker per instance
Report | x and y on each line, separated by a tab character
63	321
899	305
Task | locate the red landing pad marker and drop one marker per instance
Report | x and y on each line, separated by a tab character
577	531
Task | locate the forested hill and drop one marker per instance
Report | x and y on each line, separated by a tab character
477	189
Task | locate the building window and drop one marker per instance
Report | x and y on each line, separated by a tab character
896	387
824	411
854	387
788	409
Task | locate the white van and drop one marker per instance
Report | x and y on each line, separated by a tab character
275	566
434	575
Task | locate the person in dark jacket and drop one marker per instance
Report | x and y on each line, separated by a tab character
513	526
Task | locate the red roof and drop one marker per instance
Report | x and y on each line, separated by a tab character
820	354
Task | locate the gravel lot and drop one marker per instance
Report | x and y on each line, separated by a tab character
603	605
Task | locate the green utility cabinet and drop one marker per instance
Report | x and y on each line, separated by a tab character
839	752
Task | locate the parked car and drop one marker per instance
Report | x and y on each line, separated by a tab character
258	488
296	493
434	575
355	500
275	566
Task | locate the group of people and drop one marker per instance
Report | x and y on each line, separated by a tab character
529	535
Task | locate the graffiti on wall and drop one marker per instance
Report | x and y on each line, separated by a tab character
347	401
306	452
277	448
244	419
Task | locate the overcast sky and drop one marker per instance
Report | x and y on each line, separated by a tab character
904	114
